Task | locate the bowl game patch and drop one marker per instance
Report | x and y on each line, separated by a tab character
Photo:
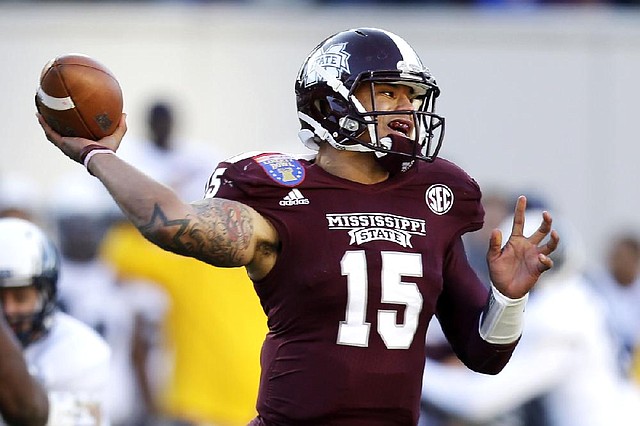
282	168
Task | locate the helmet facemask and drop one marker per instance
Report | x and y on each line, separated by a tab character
422	141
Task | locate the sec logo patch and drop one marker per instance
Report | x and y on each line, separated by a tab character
439	198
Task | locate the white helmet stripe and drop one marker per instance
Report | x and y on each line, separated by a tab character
339	87
407	52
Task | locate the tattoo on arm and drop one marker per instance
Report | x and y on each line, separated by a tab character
218	233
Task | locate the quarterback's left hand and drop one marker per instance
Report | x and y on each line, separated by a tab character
515	268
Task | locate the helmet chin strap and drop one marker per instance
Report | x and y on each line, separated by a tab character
310	139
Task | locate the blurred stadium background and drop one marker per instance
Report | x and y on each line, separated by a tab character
537	97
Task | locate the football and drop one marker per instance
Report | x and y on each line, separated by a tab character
78	96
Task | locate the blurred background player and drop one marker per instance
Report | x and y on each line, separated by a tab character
68	358
180	164
635	366
565	361
213	332
127	314
20	196
208	369
616	281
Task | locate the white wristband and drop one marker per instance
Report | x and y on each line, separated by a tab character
502	320
94	152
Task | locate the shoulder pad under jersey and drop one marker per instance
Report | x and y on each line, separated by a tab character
256	169
451	191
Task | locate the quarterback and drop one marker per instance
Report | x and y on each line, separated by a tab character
353	249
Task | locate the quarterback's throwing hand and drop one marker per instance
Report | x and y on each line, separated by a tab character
72	146
515	267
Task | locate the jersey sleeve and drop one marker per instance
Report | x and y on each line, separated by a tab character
458	310
86	357
73	364
259	180
255	178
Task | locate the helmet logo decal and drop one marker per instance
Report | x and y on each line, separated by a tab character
408	67
281	168
439	198
334	60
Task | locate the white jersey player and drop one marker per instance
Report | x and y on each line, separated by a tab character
565	357
67	357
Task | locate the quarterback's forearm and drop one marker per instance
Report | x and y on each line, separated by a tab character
459	310
137	194
501	321
151	207
219	232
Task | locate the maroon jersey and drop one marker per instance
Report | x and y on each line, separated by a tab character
360	272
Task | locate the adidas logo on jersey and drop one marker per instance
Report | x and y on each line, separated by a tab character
293	198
